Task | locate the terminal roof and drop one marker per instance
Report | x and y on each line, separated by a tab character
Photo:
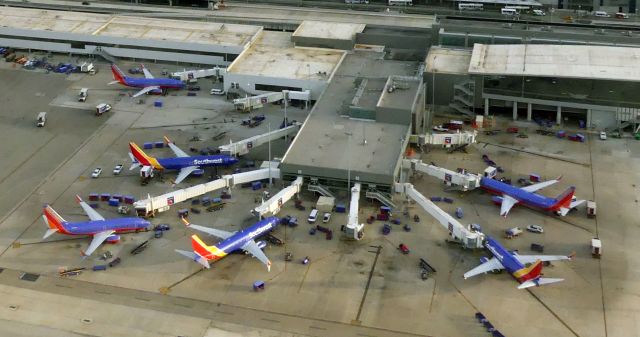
561	61
448	61
128	26
271	56
328	30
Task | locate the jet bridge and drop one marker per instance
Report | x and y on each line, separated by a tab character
445	139
152	205
354	229
247	104
274	204
244	146
463	180
466	236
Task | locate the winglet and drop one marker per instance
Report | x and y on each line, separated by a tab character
559	178
186	223
167	140
572	256
268	265
78	199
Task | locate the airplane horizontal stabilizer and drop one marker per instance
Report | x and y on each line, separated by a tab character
49	232
539	282
195	257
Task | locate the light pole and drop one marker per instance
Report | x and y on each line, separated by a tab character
270	180
286	121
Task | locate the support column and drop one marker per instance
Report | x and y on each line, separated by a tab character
529	111
515	111
559	115
589	118
486	107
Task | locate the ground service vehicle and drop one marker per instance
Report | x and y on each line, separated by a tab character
535	229
470	7
82	96
102	108
96	173
326	217
400	2
117	169
313	216
509	11
42	118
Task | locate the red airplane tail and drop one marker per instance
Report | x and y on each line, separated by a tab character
139	155
532	272
54	221
118	75
564	199
199	247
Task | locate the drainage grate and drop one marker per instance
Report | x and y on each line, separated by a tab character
29	277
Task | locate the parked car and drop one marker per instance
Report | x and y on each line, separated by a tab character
403	248
535	229
217	91
162	227
115	262
193	88
440	128
326	217
117	169
96	173
603	135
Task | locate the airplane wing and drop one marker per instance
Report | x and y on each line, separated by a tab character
492	264
253	249
98	239
147	73
507	203
539	282
91	213
539	186
211	231
195	257
146	90
176	150
526	259
184	173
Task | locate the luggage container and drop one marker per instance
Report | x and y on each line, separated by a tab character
94	197
120	197
536	247
94	206
459	213
216	200
114	202
591	209
382	217
534	177
129	199
147	146
386	229
596	248
158	144
99	267
561	134
115	262
435	199
341	208
157	104
448	200
105	197
385	210
256	185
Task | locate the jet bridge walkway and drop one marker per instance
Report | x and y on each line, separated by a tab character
274	204
244	146
462	180
152	205
354	229
459	233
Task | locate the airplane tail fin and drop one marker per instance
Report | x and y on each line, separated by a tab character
139	155
118	75
539	282
532	272
53	220
564	199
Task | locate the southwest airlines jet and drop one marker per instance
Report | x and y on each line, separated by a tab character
515	265
185	163
148	84
510	195
98	227
231	241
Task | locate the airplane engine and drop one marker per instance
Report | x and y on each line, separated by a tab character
113	239
262	244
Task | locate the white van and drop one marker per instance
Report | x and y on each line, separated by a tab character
539	12
313	216
509	11
601	14
621	15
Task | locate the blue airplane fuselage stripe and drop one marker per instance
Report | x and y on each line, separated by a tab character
527	198
117	224
240	238
508	261
203	161
149	82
